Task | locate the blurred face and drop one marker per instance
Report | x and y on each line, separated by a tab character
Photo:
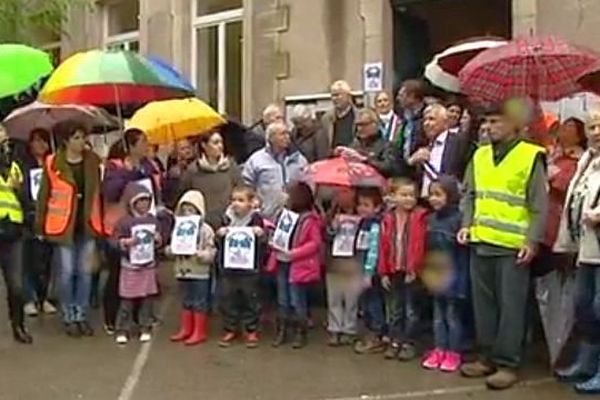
465	121
38	146
5	148
140	148
142	206
280	139
185	150
454	114
366	126
214	147
273	115
437	197
434	123
593	134
302	123
340	98
365	207
499	128
188	210
405	197
241	203
383	104
567	134
77	142
345	198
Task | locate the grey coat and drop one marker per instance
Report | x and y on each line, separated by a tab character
380	154
314	144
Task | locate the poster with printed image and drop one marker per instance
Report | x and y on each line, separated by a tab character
35	181
345	237
240	244
362	241
184	241
142	252
282	236
147	183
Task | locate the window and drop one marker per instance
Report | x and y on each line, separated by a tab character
121	25
217	60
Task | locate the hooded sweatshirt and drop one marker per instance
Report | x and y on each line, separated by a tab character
196	266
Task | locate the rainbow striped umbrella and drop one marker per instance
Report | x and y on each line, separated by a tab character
111	78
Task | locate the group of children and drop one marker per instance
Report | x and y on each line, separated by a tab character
375	255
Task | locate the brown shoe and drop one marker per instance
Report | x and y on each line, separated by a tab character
503	379
477	369
369	345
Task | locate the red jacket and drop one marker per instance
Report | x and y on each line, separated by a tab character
416	226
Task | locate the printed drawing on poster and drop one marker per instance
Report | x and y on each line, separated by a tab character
184	241
345	237
142	252
35	181
240	244
282	236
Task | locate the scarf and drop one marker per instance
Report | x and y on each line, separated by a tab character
236	221
222	165
370	263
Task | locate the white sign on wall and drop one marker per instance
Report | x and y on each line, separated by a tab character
373	77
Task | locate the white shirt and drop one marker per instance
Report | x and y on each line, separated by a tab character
433	167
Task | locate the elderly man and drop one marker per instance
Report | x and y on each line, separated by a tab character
389	122
270	169
339	122
308	135
271	113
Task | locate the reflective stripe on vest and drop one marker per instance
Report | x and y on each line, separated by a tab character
501	216
10	206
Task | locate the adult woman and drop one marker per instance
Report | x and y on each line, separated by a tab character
184	155
215	175
579	233
69	215
38	252
127	162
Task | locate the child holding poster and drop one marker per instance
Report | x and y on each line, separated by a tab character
192	245
136	236
241	242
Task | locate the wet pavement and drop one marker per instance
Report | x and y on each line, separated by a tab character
60	368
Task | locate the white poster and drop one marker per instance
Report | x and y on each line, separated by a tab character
142	251
345	237
282	236
373	77
35	181
184	241
240	244
362	241
147	183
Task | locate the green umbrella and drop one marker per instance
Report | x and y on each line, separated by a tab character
21	67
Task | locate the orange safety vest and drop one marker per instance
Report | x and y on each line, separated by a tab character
62	204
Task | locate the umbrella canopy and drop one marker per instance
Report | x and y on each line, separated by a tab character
443	69
22	68
22	121
169	74
544	68
340	171
167	121
105	78
589	80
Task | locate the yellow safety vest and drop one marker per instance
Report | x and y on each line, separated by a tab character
10	207
501	217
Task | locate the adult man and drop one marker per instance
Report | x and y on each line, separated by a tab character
411	99
389	122
270	169
504	212
271	113
339	122
308	135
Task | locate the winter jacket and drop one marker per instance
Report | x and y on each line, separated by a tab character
414	242
305	257
380	154
314	144
196	266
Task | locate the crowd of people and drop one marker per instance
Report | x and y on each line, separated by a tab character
480	201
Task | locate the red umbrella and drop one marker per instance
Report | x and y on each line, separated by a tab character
342	172
544	68
589	80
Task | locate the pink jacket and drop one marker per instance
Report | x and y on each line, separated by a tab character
305	257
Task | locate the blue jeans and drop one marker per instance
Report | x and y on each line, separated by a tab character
404	317
195	294
447	324
76	278
292	299
372	304
587	302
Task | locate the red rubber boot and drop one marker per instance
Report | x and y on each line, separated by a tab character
200	327
186	327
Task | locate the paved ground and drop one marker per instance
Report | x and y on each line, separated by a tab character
60	368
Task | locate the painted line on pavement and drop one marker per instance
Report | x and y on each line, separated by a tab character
141	359
439	392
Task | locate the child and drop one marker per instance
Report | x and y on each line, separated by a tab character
369	203
445	274
137	279
193	273
239	288
297	268
402	249
344	275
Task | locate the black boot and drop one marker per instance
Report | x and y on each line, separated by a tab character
299	335
21	335
281	335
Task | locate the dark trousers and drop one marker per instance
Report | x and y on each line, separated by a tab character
500	290
37	262
11	262
239	301
110	297
127	310
403	314
372	305
587	302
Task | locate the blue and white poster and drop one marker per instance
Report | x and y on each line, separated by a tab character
142	251
240	244
282	236
35	181
184	241
345	237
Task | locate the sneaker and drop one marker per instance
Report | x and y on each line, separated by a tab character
407	352
252	340
334	339
109	329
347	340
369	345
72	330
477	369
433	359
227	339
30	309
48	308
503	379
85	328
451	362
145	337
121	339
391	353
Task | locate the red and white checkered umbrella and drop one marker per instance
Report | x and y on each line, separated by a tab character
343	172
542	68
443	69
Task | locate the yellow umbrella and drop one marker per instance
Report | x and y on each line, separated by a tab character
167	121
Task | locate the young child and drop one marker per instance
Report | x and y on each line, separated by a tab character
137	282
402	249
445	274
297	268
344	275
239	287
369	203
193	274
